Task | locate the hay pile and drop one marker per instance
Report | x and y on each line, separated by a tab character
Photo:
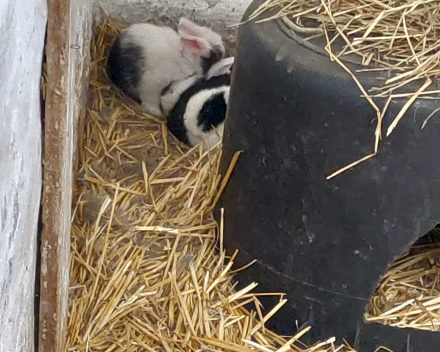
409	293
401	38
145	274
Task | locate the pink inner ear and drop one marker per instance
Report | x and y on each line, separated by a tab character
193	43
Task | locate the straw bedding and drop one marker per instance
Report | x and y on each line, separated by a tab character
145	272
401	38
409	293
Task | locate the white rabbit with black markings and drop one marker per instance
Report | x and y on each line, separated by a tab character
146	58
196	106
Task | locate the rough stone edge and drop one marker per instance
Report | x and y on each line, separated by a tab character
221	15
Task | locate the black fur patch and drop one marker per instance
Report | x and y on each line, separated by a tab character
215	55
213	112
175	117
124	66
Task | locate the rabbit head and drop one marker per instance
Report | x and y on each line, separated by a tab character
201	41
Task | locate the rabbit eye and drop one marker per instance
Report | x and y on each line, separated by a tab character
167	89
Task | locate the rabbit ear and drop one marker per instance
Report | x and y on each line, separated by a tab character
187	28
199	40
196	45
223	67
193	38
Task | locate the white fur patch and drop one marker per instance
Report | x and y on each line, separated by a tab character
170	98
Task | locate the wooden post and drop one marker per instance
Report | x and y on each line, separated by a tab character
67	57
57	183
22	28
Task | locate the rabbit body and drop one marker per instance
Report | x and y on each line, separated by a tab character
146	58
196	106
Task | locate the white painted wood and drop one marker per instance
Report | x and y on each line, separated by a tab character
22	28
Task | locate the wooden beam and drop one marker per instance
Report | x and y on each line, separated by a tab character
68	60
57	182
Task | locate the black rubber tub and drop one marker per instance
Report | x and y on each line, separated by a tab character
298	117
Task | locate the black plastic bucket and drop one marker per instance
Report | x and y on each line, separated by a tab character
298	117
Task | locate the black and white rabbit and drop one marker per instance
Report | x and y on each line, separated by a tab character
196	106
146	58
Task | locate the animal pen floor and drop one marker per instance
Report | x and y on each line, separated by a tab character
145	275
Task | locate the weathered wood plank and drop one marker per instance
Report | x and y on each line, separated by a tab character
67	48
22	28
54	277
